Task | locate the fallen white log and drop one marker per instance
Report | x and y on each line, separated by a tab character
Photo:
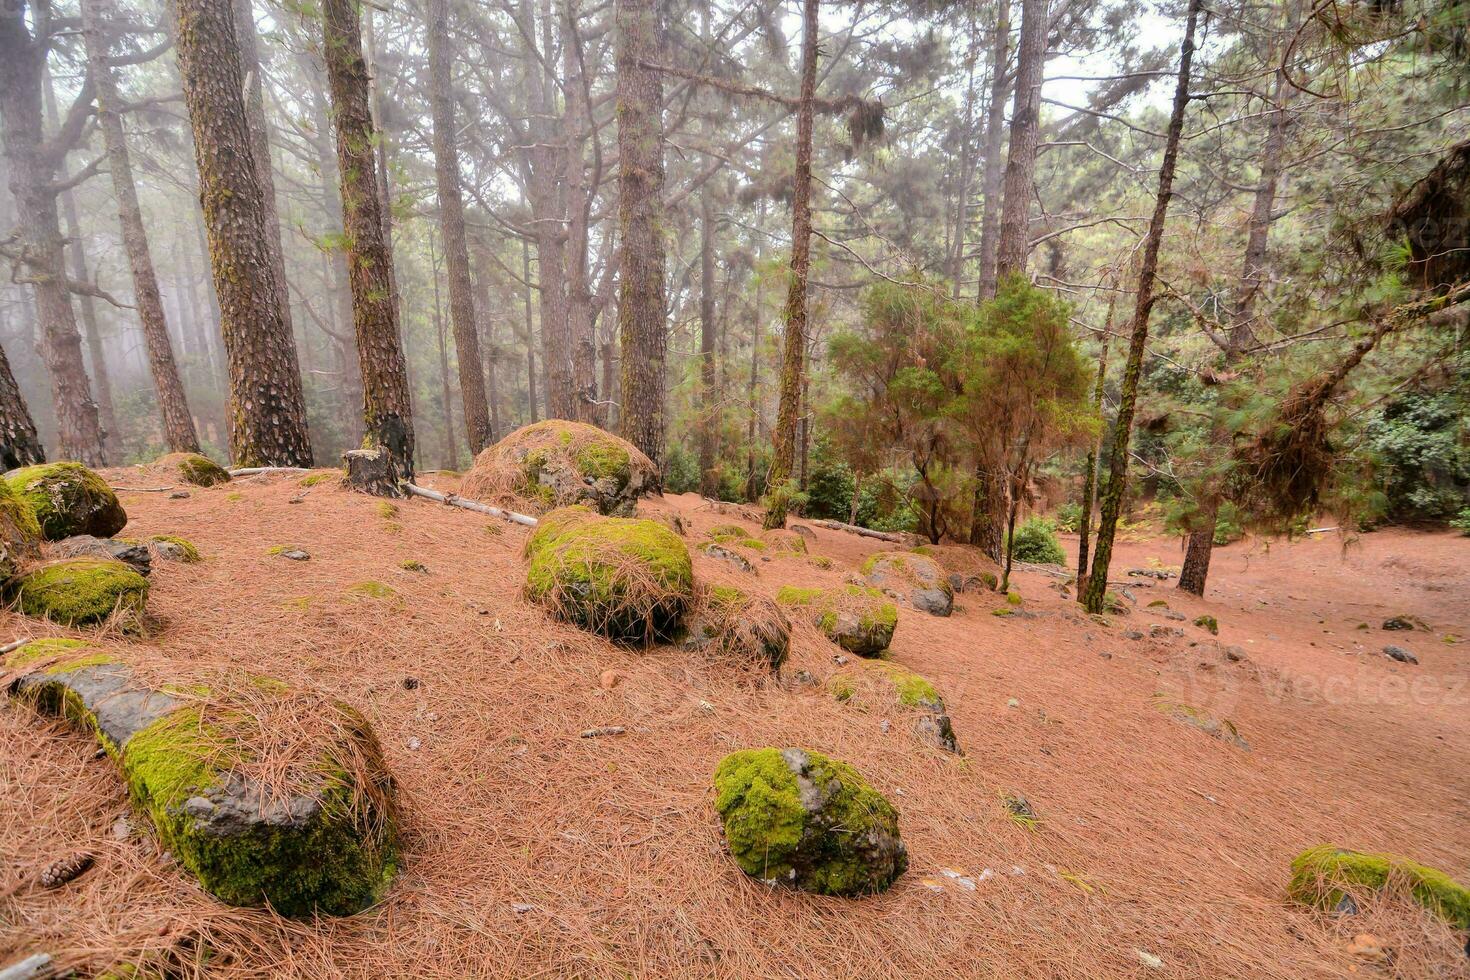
30	968
252	470
455	500
866	532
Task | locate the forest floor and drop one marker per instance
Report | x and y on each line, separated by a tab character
533	852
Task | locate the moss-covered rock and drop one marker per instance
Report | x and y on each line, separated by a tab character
1208	623
728	555
68	499
556	463
917	694
171	547
134	554
1221	728
917	579
1327	877
857	618
630	580
799	819
326	843
80	591
20	533
193	468
732	622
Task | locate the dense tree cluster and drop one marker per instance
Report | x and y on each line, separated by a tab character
900	265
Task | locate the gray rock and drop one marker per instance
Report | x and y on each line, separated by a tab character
1159	631
1405	623
1400	654
134	555
915	578
732	558
1176	616
1132	635
295	554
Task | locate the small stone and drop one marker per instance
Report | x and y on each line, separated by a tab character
840	660
295	554
1178	617
611	679
1149	959
1105	655
414	744
1234	654
1400	654
804	678
1367	946
603	731
1132	635
1159	631
1012	703
121	829
410	683
884	726
522	908
179	495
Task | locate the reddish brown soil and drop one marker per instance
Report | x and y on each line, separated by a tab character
532	852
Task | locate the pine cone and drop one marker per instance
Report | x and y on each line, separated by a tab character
58	873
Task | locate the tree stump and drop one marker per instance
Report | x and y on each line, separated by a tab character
373	471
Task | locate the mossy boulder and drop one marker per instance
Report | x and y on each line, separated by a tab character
556	463
323	843
728	555
20	533
134	554
732	622
171	547
630	580
193	468
81	591
916	579
858	618
796	818
68	499
1328	877
919	695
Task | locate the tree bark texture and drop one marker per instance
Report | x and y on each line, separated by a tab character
1020	176
387	412
267	411
709	414
995	120
641	325
173	406
19	444
1093	597
31	165
451	227
793	350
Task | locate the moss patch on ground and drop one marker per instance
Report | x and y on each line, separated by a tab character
82	591
372	590
194	468
1326	876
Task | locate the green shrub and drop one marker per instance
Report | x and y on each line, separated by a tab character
1036	542
681	470
1069	517
1461	523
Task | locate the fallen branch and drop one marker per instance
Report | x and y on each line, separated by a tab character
252	470
141	489
605	730
455	500
866	532
9	647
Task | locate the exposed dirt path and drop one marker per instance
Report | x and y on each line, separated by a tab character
532	852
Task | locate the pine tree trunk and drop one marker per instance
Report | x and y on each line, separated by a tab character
995	121
1020	177
1089	479
446	396
576	122
530	335
260	149
642	329
178	424
451	226
387	413
752	491
491	351
1241	337
19	444
31	166
1094	597
794	343
267	411
709	484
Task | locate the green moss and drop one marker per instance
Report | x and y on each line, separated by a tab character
773	837
795	595
1003	611
1324	875
1208	623
331	865
45	648
630	579
413	565
728	530
604	460
728	596
1158	604
79	591
1013	598
18	513
197	469
783	542
842	688
913	691
1020	811
191	553
234	497
372	590
68	499
991	582
385	509
821	561
315	479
